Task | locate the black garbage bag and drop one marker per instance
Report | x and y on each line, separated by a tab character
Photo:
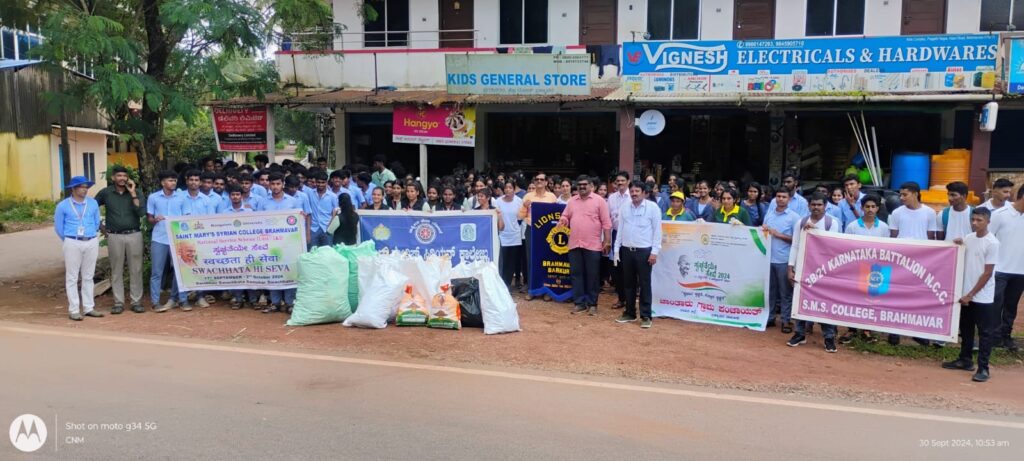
467	292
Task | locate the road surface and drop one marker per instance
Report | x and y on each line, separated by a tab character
31	252
114	396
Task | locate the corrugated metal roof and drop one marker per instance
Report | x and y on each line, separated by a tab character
425	96
15	64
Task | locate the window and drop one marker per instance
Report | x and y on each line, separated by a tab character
7	36
89	165
523	21
673	19
392	24
997	15
835	17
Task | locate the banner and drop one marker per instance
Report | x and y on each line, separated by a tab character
919	63
518	74
446	125
712	273
906	287
257	250
462	236
549	253
1015	66
242	129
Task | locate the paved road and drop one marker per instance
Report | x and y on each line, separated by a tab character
228	401
30	252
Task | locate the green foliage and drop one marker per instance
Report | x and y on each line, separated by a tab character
184	142
296	125
301	150
938	354
26	211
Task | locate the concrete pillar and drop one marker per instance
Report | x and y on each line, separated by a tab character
340	138
627	138
424	175
480	148
981	146
271	138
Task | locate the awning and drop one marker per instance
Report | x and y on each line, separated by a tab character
424	96
85	130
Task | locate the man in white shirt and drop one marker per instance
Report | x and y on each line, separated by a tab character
912	221
1000	193
616	200
817	220
637	250
867	225
977	308
1008	227
954	221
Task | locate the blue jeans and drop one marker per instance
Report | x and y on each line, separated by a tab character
320	238
288	295
239	295
828	331
160	255
779	290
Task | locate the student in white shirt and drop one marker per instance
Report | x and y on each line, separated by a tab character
511	235
817	220
1001	193
912	221
954	221
1008	227
977	307
868	223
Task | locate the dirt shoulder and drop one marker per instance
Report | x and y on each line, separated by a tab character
553	340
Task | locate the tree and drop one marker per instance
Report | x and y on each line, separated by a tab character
158	61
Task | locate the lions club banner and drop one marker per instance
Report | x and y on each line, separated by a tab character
906	287
237	251
462	236
712	273
549	252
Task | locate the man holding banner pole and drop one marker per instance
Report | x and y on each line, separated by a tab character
281	300
586	216
817	220
637	248
540	194
780	223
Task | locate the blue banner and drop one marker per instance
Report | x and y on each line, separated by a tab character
932	53
1015	68
549	253
463	236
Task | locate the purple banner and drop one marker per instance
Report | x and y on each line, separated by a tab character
905	287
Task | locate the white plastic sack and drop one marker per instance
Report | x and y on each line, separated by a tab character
496	304
368	267
424	276
383	294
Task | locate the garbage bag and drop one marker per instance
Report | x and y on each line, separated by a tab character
352	253
499	310
322	295
386	288
467	293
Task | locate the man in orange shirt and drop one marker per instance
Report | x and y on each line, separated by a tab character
586	215
540	194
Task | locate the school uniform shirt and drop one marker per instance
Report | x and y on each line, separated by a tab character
784	222
639	226
198	205
286	202
797	203
259	191
305	202
70	215
159	204
958	225
798	232
512	234
321	210
356	194
833	210
231	209
847	212
1008	227
253	202
979	252
683	216
878	229
988	204
913	224
705	212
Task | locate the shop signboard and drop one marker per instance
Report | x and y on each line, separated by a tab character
240	129
1015	66
518	74
446	125
928	63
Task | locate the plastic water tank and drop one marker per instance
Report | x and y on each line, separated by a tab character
910	166
952	165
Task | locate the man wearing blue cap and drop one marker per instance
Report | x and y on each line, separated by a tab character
77	222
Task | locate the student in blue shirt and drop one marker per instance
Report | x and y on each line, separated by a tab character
76	220
281	300
780	223
195	203
238	297
160	205
322	203
253	202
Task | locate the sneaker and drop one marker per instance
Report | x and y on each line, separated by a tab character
787	327
117	309
625	319
796	340
137	308
170	304
76	317
186	307
202	302
867	337
529	297
592	310
263	300
236	305
225	296
846	339
645	323
830	345
580	309
211	299
981	376
958	364
96	314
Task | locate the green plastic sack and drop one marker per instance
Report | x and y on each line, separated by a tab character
322	296
352	253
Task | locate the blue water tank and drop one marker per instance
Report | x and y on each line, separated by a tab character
910	166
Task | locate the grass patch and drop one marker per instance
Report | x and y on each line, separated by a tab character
16	210
908	349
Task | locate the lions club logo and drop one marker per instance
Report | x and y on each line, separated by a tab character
425	232
705	239
381	233
292	220
558	239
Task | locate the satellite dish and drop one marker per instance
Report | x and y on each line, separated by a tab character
651	122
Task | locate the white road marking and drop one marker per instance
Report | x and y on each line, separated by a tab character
527	377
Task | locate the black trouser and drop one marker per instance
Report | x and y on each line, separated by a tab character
585	273
636	275
1008	291
617	273
984	317
508	258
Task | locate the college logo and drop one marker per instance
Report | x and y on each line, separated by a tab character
874	279
183	226
28	433
381	233
237	223
685	56
467	232
558	240
291	220
425	231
